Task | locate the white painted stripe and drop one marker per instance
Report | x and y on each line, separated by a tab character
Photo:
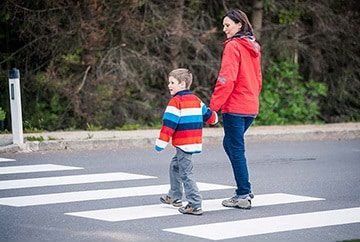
5	159
67	180
257	226
35	168
22	201
159	210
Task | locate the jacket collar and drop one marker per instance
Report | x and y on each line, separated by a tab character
183	92
241	35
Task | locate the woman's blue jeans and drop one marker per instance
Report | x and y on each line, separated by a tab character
235	127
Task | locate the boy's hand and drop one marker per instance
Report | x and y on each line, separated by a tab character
213	118
216	118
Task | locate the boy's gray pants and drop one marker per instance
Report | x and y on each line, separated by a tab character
181	175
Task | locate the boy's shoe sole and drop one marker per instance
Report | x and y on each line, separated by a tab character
168	200
191	210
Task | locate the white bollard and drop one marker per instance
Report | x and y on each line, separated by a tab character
15	106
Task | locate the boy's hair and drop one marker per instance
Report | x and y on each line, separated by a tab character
182	75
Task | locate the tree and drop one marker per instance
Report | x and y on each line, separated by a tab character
105	63
257	17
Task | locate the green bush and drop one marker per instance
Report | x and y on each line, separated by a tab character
35	138
286	98
2	114
47	115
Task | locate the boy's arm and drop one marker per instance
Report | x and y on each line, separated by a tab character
209	116
170	121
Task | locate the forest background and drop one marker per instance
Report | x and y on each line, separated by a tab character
103	64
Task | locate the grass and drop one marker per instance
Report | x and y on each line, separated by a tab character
35	138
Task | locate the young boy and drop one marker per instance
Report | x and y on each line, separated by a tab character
183	122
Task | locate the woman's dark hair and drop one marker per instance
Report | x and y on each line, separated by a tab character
239	16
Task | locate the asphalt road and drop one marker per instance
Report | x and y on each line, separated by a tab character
324	175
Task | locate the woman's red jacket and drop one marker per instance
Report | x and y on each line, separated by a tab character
239	80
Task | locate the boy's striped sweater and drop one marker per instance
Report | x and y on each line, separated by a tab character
183	122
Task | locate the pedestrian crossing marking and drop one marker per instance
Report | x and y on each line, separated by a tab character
69	180
5	159
212	231
35	168
65	197
266	225
159	210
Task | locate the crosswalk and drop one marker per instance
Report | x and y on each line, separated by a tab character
80	196
70	180
35	168
228	230
6	159
210	231
159	210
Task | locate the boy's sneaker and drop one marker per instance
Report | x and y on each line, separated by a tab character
236	202
188	209
168	200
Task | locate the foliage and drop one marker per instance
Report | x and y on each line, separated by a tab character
286	98
35	138
2	114
322	38
47	114
92	127
103	64
130	127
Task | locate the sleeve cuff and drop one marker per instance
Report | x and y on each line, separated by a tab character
161	144
157	148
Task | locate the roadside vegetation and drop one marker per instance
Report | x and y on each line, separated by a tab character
99	65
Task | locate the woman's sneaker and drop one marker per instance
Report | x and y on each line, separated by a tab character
168	200
236	202
188	209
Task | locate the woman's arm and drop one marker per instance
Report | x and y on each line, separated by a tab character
227	75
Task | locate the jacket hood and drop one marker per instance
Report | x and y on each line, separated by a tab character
248	41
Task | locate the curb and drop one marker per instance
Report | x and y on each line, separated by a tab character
87	140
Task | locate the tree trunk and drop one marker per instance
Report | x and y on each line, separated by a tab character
257	17
296	36
92	33
176	34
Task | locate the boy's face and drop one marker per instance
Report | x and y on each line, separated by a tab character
175	86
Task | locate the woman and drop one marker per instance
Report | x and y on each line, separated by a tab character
236	93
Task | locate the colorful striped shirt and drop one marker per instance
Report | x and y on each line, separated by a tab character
183	122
